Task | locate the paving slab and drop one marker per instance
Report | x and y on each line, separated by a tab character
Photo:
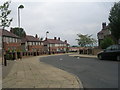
31	73
0	73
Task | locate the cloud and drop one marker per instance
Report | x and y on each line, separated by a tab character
63	19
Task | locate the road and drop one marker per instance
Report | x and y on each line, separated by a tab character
0	76
93	73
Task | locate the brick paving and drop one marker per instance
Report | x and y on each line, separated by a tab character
31	73
0	73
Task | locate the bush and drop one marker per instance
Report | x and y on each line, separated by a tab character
107	42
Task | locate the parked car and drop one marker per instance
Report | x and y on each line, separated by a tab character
112	52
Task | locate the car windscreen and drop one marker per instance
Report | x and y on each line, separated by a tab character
118	47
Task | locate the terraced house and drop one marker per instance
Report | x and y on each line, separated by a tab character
16	47
0	43
55	45
32	45
11	44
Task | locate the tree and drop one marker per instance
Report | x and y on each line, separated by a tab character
85	40
19	32
4	20
114	19
106	42
41	38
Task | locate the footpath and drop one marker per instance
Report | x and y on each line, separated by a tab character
31	73
83	55
0	73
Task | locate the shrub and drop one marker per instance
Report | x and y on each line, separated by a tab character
107	42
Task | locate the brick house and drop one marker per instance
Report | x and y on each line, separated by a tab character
11	43
105	32
0	43
55	45
32	45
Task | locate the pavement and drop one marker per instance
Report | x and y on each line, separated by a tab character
83	55
31	73
0	73
0	60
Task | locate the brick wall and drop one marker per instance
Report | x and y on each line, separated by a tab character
95	51
37	47
12	46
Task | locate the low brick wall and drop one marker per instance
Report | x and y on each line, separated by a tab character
89	51
95	51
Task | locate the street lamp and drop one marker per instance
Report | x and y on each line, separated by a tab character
47	33
20	7
48	43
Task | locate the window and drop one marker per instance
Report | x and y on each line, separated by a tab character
7	39
115	47
14	40
109	48
10	39
37	43
40	43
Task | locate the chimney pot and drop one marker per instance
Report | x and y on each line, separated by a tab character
36	36
58	38
54	38
11	30
45	38
103	25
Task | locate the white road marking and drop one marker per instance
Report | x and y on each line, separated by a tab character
61	59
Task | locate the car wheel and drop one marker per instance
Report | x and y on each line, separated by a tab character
100	57
118	58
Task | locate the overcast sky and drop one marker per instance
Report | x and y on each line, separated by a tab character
61	19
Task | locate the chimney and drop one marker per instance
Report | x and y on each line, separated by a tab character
54	38
36	36
103	25
58	38
46	39
11	30
66	41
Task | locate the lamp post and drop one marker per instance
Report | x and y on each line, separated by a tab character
47	33
48	43
20	7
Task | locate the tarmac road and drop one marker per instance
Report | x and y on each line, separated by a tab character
93	73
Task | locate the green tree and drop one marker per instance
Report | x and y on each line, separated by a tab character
106	42
4	20
41	38
85	40
18	31
114	19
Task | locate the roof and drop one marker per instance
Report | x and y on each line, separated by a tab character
53	41
8	33
30	38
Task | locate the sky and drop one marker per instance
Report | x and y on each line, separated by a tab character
62	19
